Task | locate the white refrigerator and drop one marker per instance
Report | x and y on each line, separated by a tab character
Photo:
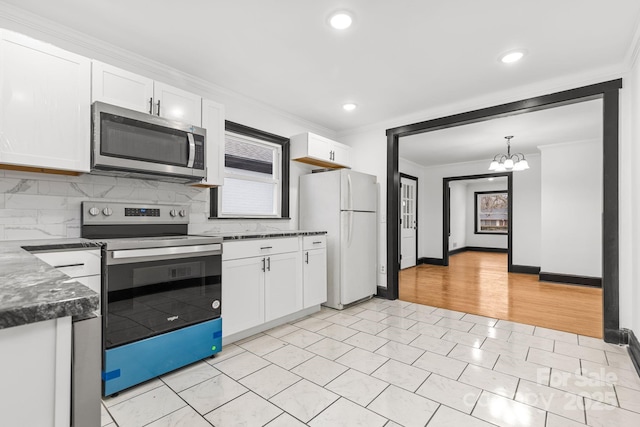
343	203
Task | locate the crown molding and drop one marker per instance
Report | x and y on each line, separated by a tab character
32	25
495	98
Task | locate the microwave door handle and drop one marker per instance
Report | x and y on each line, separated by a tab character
192	150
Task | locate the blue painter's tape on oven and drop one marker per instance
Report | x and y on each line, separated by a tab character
146	359
106	376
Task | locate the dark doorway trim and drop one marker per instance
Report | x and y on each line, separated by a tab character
608	92
413	178
446	214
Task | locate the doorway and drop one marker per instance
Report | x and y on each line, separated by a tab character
608	93
446	217
408	221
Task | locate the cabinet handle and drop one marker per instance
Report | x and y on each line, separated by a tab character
316	243
306	259
269	264
158	107
266	247
69	265
151	105
263	265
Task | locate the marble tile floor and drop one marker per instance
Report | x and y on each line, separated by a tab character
394	363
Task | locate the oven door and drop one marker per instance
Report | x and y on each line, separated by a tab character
128	140
153	291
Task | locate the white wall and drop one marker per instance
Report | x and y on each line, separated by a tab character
500	241
36	205
526	222
572	208
458	206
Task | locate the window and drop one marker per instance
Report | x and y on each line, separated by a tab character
256	175
492	212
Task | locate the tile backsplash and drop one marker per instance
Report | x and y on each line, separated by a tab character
41	206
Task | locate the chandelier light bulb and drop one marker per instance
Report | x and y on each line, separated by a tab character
494	165
508	164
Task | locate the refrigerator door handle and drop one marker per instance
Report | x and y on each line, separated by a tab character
349	191
350	228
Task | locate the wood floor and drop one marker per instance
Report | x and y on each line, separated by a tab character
478	283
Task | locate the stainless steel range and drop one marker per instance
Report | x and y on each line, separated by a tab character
161	290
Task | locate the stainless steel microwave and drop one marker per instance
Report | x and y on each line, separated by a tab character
139	145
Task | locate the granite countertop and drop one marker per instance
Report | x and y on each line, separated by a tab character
31	290
268	234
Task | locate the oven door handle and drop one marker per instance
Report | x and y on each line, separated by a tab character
175	251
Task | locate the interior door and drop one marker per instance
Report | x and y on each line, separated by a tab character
408	225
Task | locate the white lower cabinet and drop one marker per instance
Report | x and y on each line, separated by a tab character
314	269
35	367
282	290
242	294
262	281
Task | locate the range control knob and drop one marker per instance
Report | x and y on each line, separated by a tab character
173	212
94	211
183	212
107	211
215	304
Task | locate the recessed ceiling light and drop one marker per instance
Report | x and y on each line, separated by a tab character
340	20
349	107
513	56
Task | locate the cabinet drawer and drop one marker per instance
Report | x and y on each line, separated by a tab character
314	242
253	248
73	263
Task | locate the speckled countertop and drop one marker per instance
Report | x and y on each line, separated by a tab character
268	234
32	291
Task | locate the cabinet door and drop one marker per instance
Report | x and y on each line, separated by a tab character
177	104
45	107
315	277
319	147
213	122
283	285
120	87
340	154
242	295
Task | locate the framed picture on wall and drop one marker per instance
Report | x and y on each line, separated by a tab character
491	212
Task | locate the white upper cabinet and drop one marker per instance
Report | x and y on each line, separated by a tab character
129	90
213	122
177	104
119	87
45	106
319	151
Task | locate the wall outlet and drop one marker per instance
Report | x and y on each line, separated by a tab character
383	270
454	244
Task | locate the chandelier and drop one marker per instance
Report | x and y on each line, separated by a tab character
509	162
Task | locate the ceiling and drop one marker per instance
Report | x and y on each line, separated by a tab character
399	57
483	140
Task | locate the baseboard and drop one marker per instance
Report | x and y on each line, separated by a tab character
381	292
478	249
457	251
431	261
526	269
572	280
483	249
634	350
616	336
